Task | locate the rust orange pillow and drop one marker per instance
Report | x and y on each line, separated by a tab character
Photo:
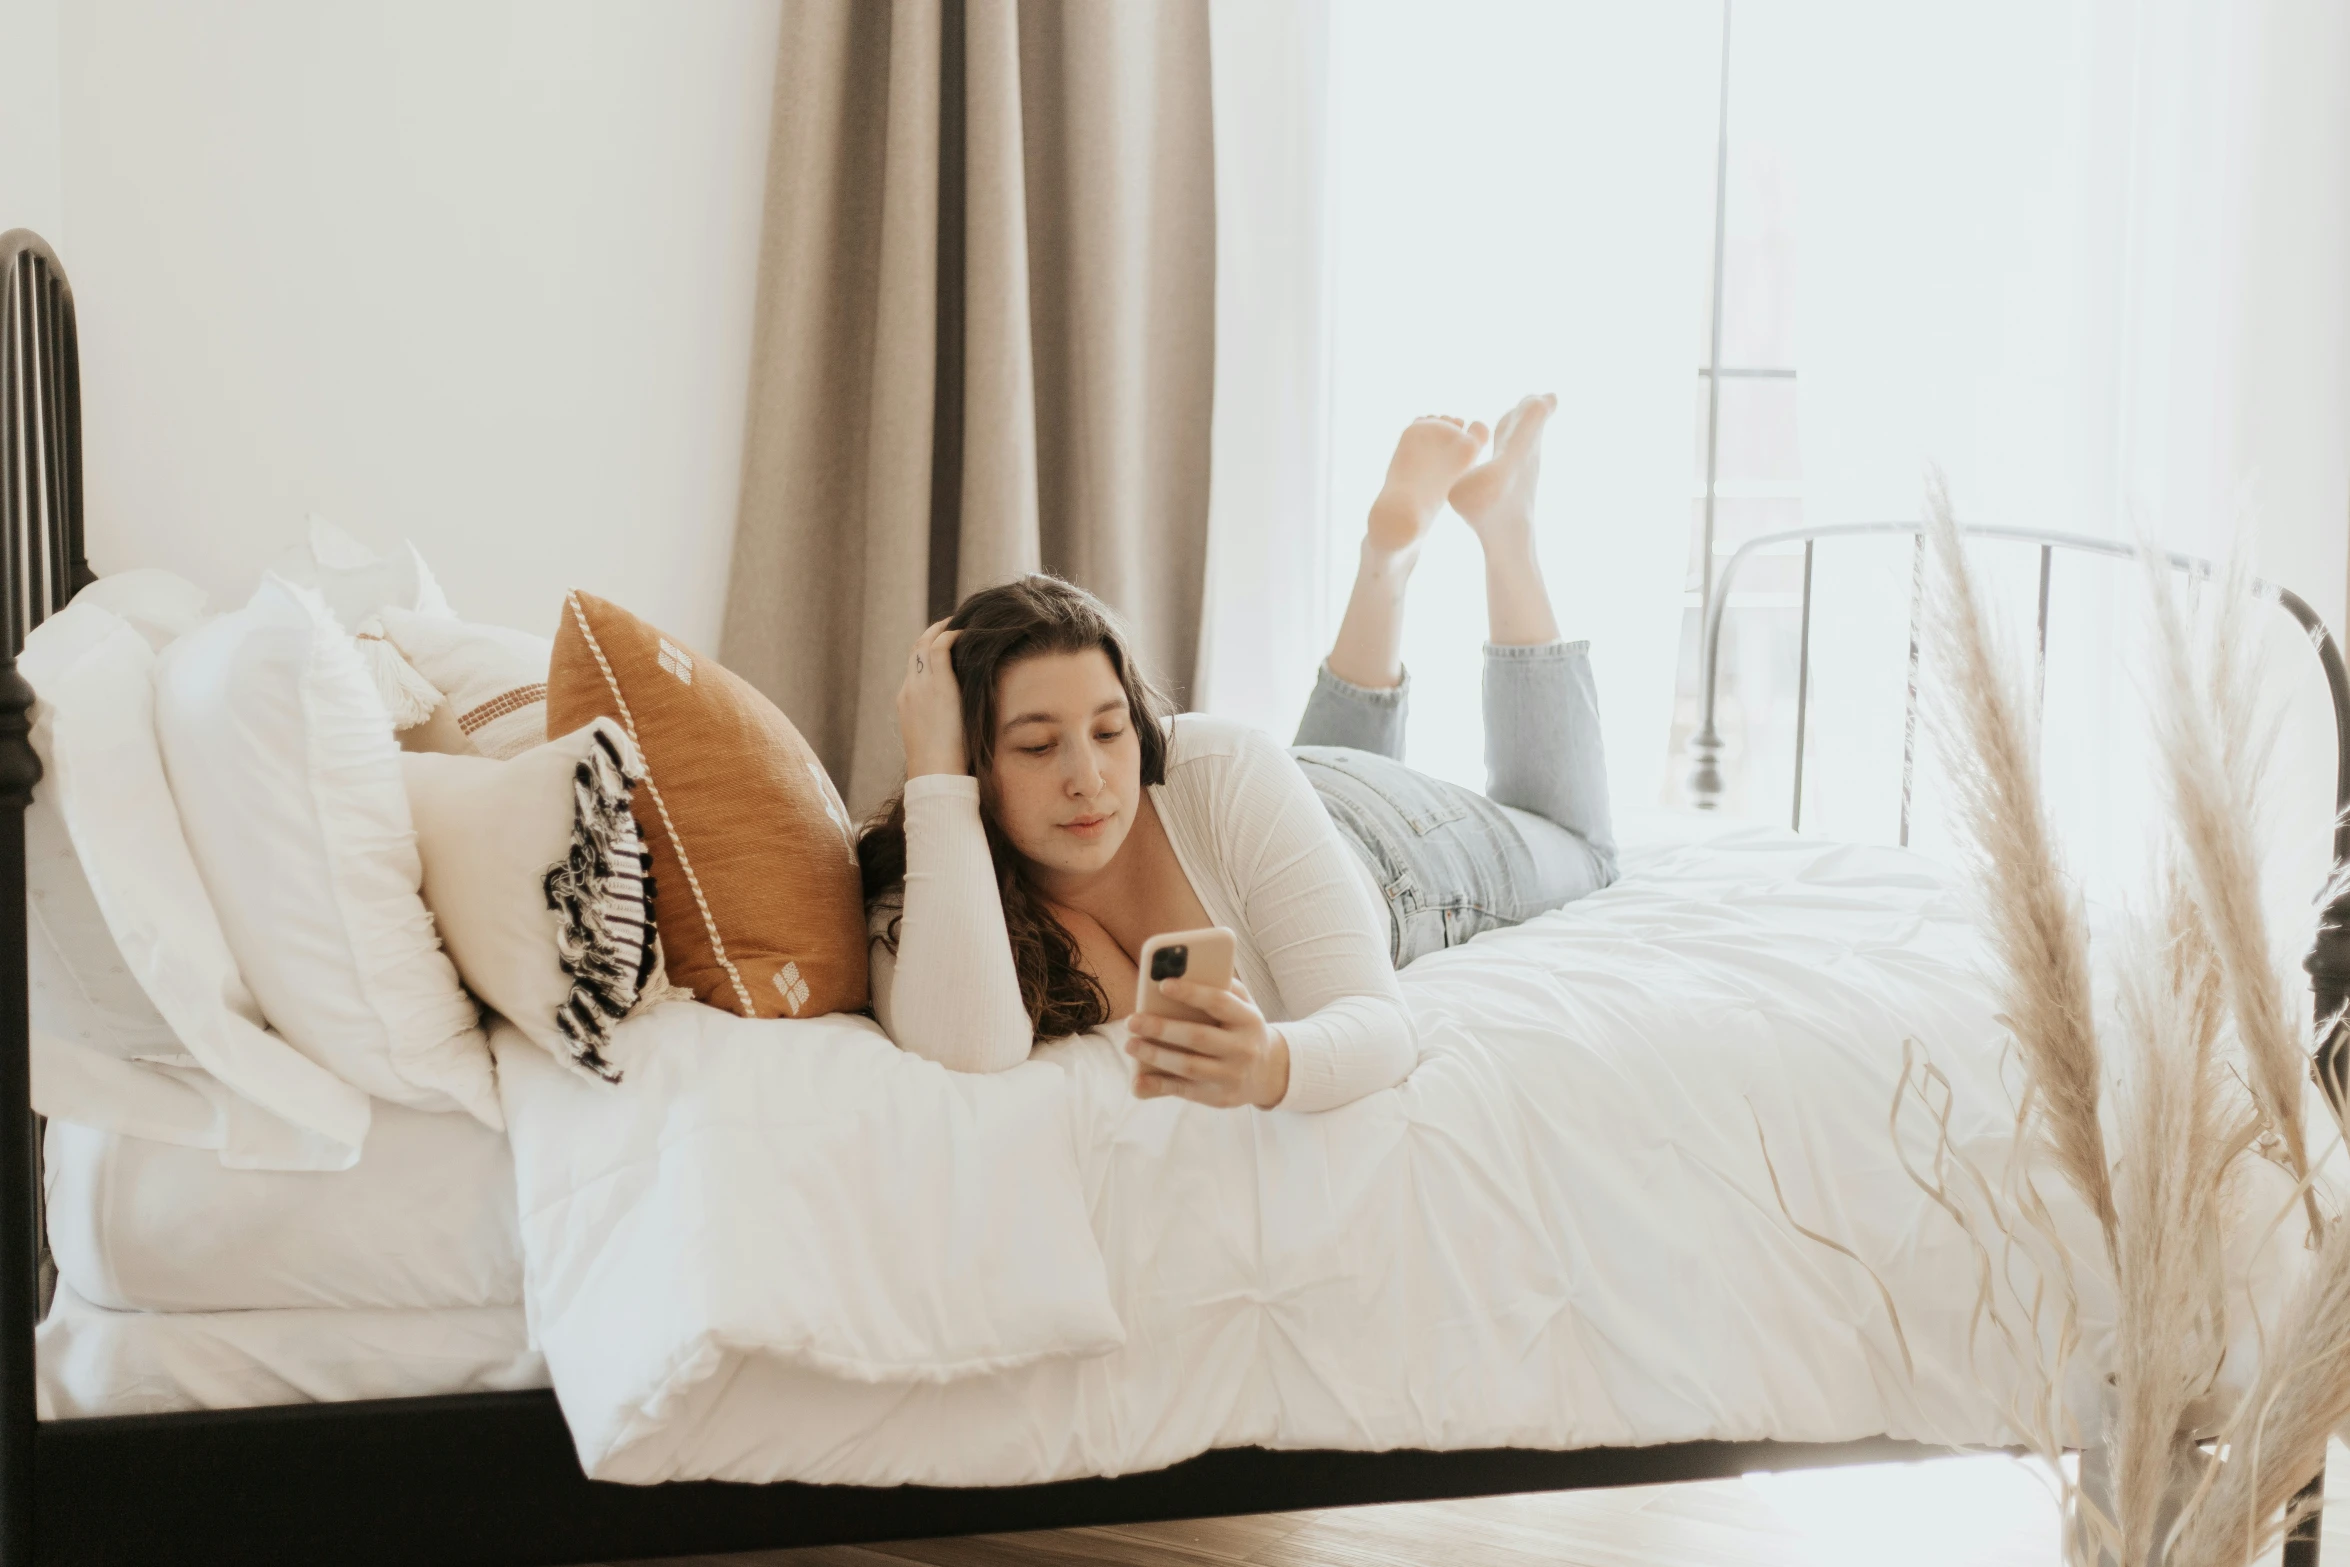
760	911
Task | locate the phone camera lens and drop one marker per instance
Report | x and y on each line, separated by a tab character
1170	962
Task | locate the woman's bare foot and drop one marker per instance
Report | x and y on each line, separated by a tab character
1431	454
1497	496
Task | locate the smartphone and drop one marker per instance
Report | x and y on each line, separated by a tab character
1202	956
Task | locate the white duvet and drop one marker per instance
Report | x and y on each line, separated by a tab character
784	1250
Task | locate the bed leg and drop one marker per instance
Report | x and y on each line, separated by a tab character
20	1307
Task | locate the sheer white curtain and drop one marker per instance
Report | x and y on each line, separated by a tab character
1521	203
1261	627
2093	257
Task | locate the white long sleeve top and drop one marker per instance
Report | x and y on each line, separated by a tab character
1264	859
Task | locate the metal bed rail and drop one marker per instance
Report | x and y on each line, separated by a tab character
2329	959
1705	746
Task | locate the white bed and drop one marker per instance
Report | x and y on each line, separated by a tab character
787	1251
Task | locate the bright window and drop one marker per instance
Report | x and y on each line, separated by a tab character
1523	203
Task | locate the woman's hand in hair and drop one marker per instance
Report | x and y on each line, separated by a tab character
1238	1059
930	707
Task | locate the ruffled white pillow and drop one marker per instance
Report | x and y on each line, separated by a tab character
281	758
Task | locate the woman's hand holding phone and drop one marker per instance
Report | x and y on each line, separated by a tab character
930	706
1235	1059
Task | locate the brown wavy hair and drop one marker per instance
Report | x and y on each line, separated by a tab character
1023	618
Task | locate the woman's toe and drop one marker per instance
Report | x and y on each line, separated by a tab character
1527	419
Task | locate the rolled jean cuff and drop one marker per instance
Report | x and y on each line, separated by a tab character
1538	651
1388	696
1358	718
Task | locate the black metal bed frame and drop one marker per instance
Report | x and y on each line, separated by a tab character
493	1478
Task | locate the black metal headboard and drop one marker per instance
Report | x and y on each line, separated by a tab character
41	425
42	566
2329	959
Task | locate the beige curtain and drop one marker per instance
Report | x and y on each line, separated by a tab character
985	341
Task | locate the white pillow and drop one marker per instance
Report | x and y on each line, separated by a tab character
425	1219
141	1021
541	884
494	678
356	581
159	605
281	758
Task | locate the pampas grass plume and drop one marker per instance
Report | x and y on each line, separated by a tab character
2214	753
2031	911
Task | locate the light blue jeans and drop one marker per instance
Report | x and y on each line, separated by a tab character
1452	862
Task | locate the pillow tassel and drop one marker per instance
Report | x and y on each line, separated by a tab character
407	695
602	895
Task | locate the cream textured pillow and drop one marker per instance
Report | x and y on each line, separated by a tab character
141	1019
541	884
493	679
760	910
281	758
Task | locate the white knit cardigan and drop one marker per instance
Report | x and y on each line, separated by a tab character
1264	859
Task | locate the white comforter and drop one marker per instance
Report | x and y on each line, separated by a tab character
783	1250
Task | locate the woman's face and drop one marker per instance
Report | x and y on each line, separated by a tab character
1066	777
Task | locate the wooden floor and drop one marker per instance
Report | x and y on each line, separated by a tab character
1956	1512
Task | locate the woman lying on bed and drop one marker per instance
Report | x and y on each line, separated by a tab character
1054	818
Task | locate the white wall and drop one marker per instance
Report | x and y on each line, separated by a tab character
29	193
479	274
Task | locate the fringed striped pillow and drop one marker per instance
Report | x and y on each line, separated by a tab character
601	895
542	886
